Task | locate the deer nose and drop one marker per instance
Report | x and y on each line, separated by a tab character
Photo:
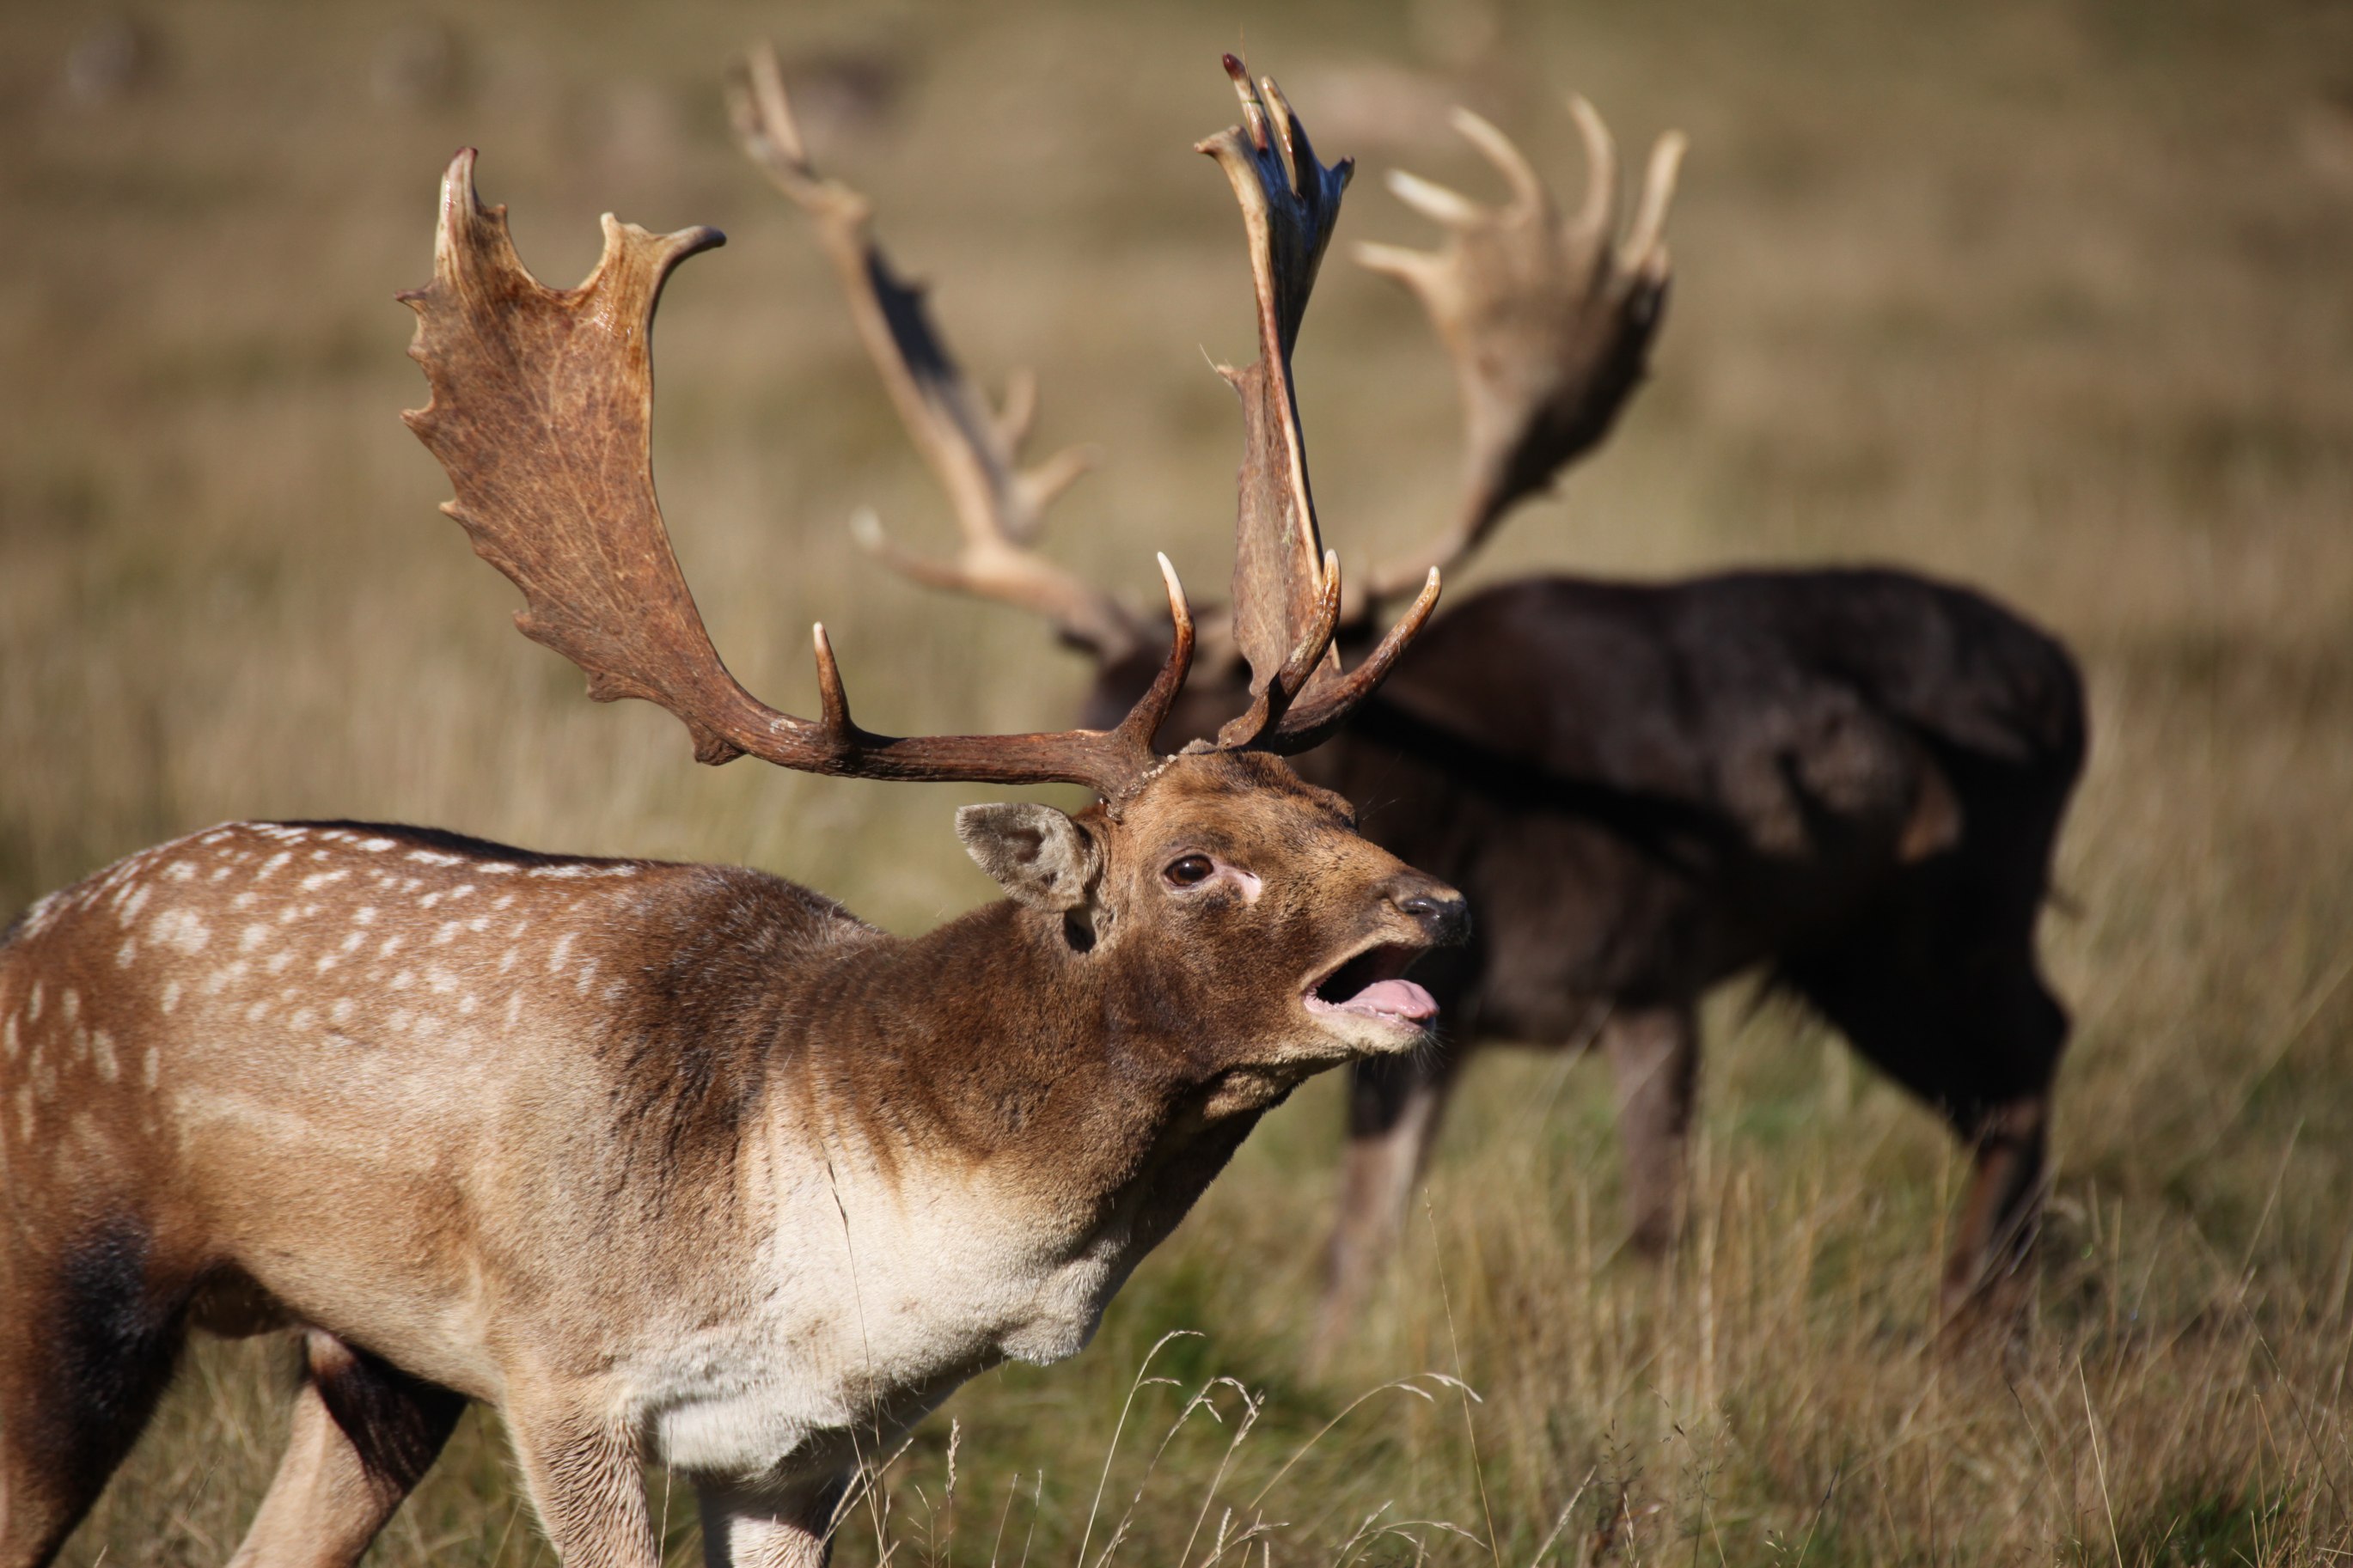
1433	906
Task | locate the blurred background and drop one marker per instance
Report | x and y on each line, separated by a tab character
2054	298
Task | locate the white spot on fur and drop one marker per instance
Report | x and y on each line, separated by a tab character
502	901
256	1012
376	846
180	931
317	879
479	925
556	956
447	931
133	901
587	975
326	962
270	865
33	1005
434	858
71	1003
514	1009
253	936
391	945
365	915
467	1004
497	868
124	954
402	981
340	1010
171	997
180	871
151	1066
319	854
567	869
220	873
506	959
8	1037
304	1017
441	982
280	960
217	835
428	900
102	1051
352	940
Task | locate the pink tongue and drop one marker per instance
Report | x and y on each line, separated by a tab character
1393	998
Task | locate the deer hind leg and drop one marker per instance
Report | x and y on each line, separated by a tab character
364	1434
1393	1107
1655	1052
95	1332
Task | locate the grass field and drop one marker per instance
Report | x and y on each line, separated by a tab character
2055	298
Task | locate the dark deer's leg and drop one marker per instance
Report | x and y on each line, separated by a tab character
1393	1111
364	1434
1988	1275
1654	1051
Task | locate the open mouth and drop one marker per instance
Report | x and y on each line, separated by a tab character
1372	985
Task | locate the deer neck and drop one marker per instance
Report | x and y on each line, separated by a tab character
980	1117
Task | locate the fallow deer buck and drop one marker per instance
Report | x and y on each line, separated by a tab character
1852	777
681	1163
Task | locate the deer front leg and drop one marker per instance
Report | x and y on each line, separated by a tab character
580	1465
1393	1111
364	1434
789	1529
1987	1276
1655	1052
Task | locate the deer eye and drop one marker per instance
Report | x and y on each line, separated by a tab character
1185	870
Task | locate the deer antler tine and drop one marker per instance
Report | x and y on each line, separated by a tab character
1144	720
1434	201
1599	215
833	701
1528	194
1254	110
1018	407
1311	723
1418	269
1642	252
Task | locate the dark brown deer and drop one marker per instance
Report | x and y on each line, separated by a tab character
1852	778
678	1163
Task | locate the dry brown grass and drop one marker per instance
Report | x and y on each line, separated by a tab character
2050	298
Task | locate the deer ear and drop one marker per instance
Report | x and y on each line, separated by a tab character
1037	854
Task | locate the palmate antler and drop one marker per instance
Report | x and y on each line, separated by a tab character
1548	320
1287	590
541	412
543	403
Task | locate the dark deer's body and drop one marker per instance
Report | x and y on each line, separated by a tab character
1854	777
1851	777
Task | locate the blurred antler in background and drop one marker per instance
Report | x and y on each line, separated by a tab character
1548	320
